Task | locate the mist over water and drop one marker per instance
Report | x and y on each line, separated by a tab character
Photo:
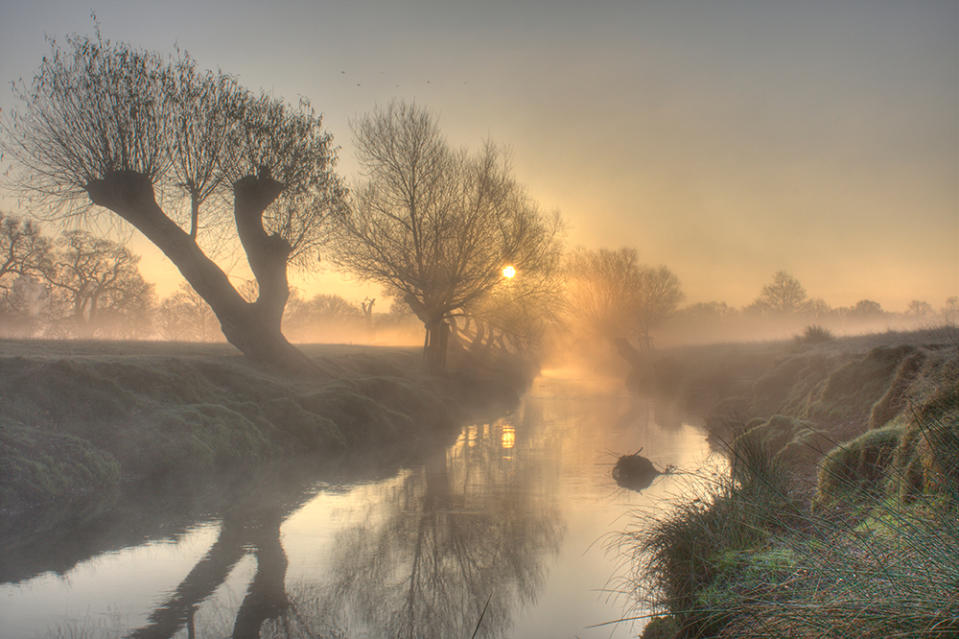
192	243
517	511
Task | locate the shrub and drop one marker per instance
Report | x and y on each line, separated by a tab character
815	334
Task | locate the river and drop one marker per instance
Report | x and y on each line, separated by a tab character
510	529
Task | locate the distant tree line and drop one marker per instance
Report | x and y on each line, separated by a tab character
74	285
784	308
78	285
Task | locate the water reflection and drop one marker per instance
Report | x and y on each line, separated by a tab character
507	512
251	526
469	527
455	543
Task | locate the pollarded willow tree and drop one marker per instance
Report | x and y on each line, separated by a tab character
436	226
169	147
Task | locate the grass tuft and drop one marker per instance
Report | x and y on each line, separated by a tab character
747	558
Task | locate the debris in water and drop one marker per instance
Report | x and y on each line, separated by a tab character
636	472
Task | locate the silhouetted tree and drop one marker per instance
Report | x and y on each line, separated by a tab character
611	294
100	283
24	307
23	252
434	225
23	249
108	124
919	309
367	307
783	295
658	295
866	308
816	307
950	310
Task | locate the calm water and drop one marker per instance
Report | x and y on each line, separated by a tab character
511	524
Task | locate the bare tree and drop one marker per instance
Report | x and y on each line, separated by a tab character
612	295
919	309
515	316
184	316
950	310
783	295
658	295
23	249
434	225
99	279
24	306
165	146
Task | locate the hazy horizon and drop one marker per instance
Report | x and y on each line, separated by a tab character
727	140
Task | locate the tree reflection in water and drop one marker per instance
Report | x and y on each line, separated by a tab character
242	529
250	526
470	526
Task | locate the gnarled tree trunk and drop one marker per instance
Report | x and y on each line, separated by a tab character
437	334
437	342
253	327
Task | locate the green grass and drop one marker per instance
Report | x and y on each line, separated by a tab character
749	561
871	552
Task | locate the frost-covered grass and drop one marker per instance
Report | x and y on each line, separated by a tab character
85	419
840	516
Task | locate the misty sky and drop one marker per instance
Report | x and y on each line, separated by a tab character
725	139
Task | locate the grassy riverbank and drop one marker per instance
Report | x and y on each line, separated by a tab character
83	422
840	516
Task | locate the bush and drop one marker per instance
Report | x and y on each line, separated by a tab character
815	334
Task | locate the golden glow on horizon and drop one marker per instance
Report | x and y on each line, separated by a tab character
509	271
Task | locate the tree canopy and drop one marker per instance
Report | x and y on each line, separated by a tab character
23	249
783	295
436	225
165	146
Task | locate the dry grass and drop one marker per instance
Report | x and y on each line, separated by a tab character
750	557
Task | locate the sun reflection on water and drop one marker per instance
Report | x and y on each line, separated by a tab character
508	437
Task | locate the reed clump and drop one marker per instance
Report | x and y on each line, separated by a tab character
871	553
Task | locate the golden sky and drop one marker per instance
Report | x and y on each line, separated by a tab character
725	139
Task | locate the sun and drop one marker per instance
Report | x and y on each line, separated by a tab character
509	272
